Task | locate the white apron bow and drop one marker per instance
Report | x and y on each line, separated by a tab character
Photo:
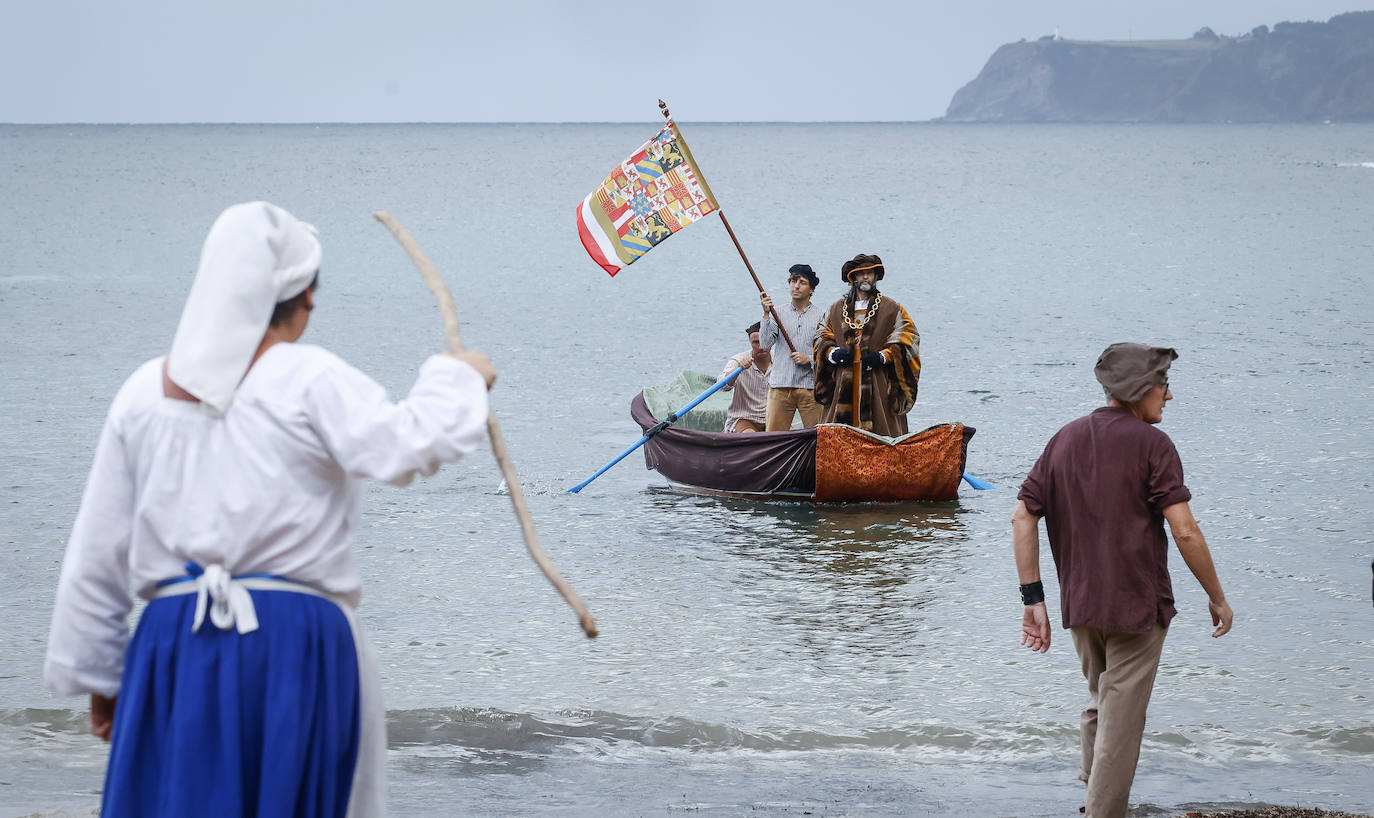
229	601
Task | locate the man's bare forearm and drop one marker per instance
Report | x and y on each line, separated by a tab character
1193	548
1025	540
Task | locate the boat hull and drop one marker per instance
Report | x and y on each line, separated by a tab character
831	463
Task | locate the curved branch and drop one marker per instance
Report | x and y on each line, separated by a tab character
498	444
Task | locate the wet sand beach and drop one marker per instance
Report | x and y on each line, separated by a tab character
1276	812
1142	810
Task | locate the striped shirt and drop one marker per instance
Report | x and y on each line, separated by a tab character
751	391
802	327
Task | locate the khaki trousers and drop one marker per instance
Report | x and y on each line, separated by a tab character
784	402
1120	669
747	425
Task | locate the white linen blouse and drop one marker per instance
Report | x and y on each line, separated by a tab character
272	486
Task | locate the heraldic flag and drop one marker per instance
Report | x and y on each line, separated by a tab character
646	199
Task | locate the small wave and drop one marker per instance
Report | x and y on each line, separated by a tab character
20	278
489	732
56	721
1369	165
495	730
1341	739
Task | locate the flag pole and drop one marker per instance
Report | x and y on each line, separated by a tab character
663	106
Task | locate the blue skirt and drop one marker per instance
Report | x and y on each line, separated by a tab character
218	723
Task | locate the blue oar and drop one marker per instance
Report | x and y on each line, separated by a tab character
980	485
662	424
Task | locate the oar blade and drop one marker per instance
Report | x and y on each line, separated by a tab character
976	483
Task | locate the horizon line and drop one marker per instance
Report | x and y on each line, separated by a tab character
491	122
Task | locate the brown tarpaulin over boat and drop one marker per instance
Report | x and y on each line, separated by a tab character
760	462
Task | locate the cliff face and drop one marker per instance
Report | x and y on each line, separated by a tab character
1298	72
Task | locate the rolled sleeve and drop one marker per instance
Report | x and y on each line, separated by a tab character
1166	485
768	333
1033	488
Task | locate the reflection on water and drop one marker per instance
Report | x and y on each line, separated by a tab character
846	582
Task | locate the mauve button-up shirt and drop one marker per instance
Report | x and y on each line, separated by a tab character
1102	485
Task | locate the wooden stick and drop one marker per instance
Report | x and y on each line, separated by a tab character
750	268
858	376
498	443
856	368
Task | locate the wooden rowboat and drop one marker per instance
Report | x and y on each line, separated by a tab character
828	464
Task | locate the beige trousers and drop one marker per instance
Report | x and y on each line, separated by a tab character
1120	669
784	402
746	425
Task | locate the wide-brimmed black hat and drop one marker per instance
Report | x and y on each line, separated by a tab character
803	270
863	261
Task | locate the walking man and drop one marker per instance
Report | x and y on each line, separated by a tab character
1105	484
791	381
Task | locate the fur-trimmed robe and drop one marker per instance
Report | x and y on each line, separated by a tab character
894	383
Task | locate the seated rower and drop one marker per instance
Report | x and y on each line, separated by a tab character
749	406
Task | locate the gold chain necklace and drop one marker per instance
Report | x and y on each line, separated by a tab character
858	326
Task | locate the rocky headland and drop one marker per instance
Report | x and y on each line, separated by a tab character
1294	72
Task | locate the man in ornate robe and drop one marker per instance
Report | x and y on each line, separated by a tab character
874	334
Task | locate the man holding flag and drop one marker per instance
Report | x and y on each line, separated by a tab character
792	382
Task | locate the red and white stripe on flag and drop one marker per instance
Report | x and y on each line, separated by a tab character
593	238
644	200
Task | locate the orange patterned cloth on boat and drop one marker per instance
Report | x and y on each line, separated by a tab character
852	465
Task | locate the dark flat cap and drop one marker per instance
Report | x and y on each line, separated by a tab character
1128	371
803	270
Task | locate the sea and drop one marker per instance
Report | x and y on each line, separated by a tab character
755	658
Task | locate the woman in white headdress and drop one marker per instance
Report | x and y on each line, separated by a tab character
225	491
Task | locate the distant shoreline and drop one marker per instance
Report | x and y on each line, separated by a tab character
937	121
1296	72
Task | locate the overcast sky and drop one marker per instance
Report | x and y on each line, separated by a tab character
545	60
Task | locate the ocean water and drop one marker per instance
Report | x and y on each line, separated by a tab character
755	658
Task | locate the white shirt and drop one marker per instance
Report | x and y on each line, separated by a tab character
273	486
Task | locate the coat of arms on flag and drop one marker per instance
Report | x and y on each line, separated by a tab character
646	199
